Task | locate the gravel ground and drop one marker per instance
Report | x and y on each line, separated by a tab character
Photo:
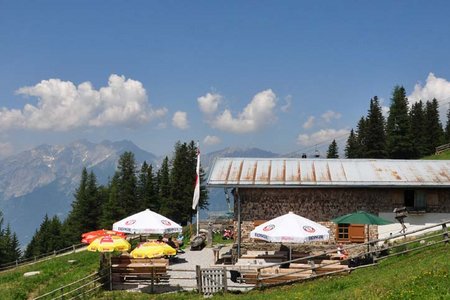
182	273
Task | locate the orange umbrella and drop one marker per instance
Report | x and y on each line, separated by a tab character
109	243
90	236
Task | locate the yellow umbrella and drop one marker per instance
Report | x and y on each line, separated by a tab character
152	250
109	243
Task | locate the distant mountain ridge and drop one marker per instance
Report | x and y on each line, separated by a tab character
43	180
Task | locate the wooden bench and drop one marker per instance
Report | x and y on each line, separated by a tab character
127	268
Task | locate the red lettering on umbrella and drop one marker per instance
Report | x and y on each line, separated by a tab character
269	227
165	222
309	229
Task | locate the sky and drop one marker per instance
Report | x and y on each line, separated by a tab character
283	76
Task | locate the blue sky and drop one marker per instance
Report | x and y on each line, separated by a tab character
278	75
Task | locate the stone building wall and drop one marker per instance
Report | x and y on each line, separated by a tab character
326	203
322	205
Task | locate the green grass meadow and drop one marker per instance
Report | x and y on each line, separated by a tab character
421	274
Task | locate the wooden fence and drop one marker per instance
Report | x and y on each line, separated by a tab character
80	289
442	148
42	257
211	280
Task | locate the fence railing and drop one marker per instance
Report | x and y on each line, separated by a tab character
41	257
442	148
79	289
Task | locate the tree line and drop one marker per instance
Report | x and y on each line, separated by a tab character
167	190
407	132
9	244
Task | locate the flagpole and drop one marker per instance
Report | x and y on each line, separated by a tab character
198	224
196	198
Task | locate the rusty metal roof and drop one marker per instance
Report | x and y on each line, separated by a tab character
298	172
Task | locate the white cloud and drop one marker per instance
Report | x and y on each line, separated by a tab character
209	103
434	87
256	115
63	106
321	136
210	140
330	115
180	120
6	149
309	123
285	108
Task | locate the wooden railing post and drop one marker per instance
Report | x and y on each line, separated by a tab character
224	278
110	278
445	231
198	273
258	280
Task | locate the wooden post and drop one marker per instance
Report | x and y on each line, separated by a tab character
445	231
239	223
152	286
258	275
224	278
198	273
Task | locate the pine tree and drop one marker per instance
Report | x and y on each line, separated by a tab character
399	143
361	138
375	141
184	173
418	129
447	127
435	133
31	249
86	209
14	249
145	190
164	189
46	239
351	148
126	181
333	150
112	211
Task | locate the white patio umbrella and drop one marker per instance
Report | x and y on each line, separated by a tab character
290	228
147	222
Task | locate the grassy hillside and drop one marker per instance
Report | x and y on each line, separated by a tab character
54	274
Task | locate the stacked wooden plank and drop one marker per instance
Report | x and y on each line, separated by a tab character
295	272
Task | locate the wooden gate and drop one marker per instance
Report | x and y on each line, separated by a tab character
211	280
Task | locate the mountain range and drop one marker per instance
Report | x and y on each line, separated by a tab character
42	180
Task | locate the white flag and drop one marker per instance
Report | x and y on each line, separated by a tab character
197	182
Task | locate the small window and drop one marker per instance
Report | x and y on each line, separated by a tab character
343	231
